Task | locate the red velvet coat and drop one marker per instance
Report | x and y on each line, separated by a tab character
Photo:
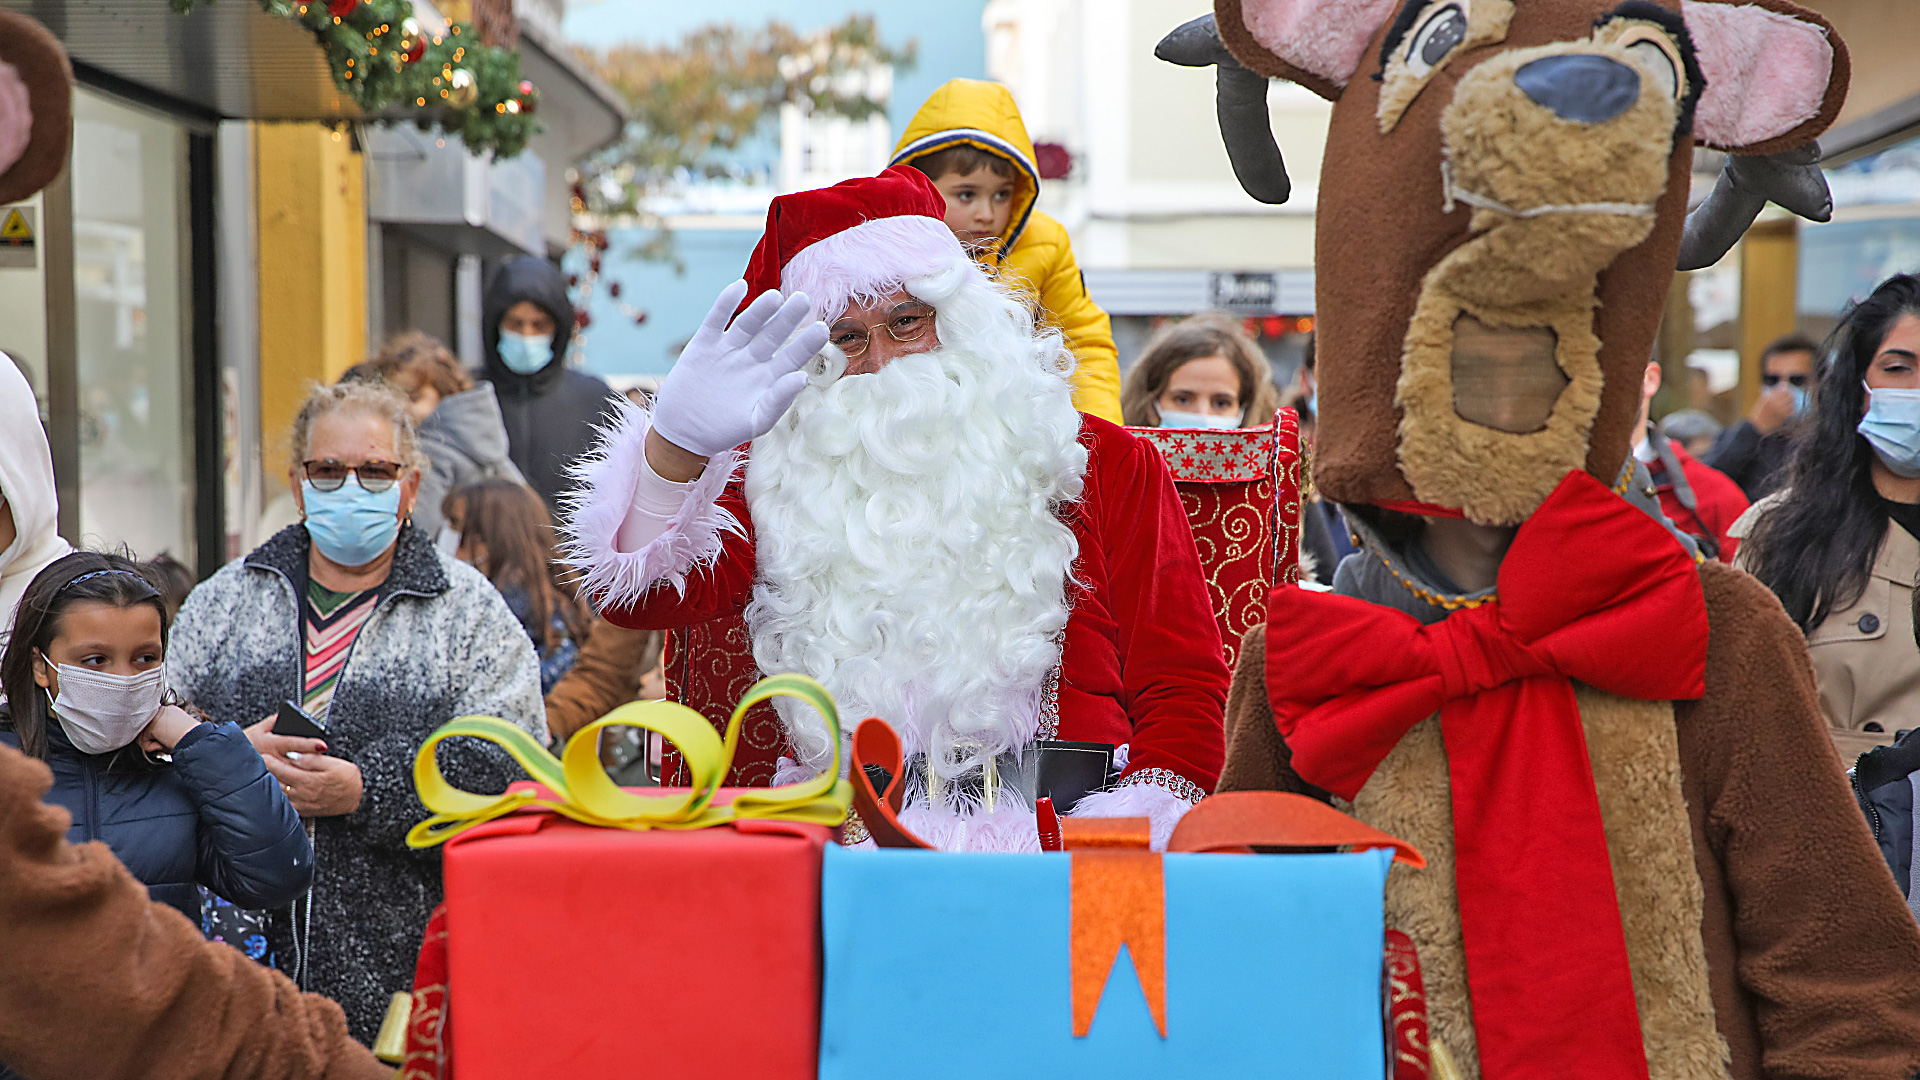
1142	661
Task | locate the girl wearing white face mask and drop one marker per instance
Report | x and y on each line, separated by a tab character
181	801
1199	373
1840	543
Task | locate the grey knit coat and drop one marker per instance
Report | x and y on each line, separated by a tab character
440	645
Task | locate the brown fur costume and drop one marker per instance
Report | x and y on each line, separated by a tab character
97	981
1491	276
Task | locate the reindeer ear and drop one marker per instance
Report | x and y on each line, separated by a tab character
1316	43
36	106
1776	74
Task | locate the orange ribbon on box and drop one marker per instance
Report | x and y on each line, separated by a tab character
1119	888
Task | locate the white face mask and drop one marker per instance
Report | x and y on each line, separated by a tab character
1170	418
101	712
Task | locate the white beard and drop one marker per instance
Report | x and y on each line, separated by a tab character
909	552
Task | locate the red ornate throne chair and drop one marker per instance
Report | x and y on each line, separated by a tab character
1241	490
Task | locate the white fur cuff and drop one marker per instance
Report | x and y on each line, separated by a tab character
1144	799
609	577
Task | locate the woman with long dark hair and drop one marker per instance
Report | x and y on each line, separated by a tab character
1840	544
181	801
505	533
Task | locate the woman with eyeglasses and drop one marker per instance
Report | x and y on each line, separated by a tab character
1839	544
354	621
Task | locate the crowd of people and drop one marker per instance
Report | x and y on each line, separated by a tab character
963	537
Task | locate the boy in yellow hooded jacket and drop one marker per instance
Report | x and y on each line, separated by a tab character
969	140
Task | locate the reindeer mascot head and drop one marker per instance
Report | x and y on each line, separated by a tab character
1643	857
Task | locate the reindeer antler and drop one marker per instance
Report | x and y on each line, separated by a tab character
1240	104
1747	183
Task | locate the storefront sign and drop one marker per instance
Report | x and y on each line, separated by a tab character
1253	293
17	238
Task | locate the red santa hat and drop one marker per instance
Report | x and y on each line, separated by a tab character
860	238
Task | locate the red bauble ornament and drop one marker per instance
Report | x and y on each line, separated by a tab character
613	289
340	9
639	318
581	320
413	42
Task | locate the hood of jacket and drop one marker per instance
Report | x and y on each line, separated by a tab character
26	480
470	422
531	278
973	112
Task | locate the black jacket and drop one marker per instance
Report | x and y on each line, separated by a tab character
1883	781
215	817
551	414
1758	463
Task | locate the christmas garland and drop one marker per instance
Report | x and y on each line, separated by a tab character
380	58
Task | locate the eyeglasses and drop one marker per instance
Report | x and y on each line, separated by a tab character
905	323
1771	381
374	476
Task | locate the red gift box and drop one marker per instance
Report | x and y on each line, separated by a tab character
576	951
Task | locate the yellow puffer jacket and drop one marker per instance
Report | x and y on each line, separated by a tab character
1035	254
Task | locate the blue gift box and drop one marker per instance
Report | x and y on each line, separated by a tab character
959	965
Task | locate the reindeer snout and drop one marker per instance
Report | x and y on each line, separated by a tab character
1581	87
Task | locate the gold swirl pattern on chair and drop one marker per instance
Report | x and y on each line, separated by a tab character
579	788
708	667
1244	515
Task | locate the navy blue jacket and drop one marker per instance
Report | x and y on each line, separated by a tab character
215	817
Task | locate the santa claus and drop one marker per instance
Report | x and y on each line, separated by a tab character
925	525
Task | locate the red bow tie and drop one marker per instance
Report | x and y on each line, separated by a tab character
1588	583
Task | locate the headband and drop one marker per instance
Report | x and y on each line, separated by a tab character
141	578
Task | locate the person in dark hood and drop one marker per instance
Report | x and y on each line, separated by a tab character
550	410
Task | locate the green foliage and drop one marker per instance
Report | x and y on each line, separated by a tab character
695	101
366	50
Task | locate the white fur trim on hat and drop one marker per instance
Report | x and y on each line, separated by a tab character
870	260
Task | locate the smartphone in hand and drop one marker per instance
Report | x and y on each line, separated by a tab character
293	720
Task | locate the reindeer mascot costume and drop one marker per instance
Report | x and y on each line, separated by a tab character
1644	862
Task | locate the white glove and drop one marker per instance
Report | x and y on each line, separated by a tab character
731	383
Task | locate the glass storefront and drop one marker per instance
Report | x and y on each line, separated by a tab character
1874	234
132	329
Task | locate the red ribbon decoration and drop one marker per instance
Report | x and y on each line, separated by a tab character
1588	584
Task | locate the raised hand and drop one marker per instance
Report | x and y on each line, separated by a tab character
732	382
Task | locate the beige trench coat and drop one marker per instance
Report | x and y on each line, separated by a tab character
1865	659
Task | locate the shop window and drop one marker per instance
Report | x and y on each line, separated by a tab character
130	290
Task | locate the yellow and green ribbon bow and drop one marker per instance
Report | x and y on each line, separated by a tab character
582	790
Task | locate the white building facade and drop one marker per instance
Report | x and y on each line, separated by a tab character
1159	224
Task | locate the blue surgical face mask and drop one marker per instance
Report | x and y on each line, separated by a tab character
1892	426
352	526
525	354
1170	418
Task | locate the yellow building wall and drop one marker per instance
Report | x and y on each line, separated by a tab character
312	239
1769	263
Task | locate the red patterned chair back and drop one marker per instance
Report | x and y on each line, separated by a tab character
1241	490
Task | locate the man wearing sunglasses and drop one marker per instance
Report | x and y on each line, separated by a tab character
1754	452
925	524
